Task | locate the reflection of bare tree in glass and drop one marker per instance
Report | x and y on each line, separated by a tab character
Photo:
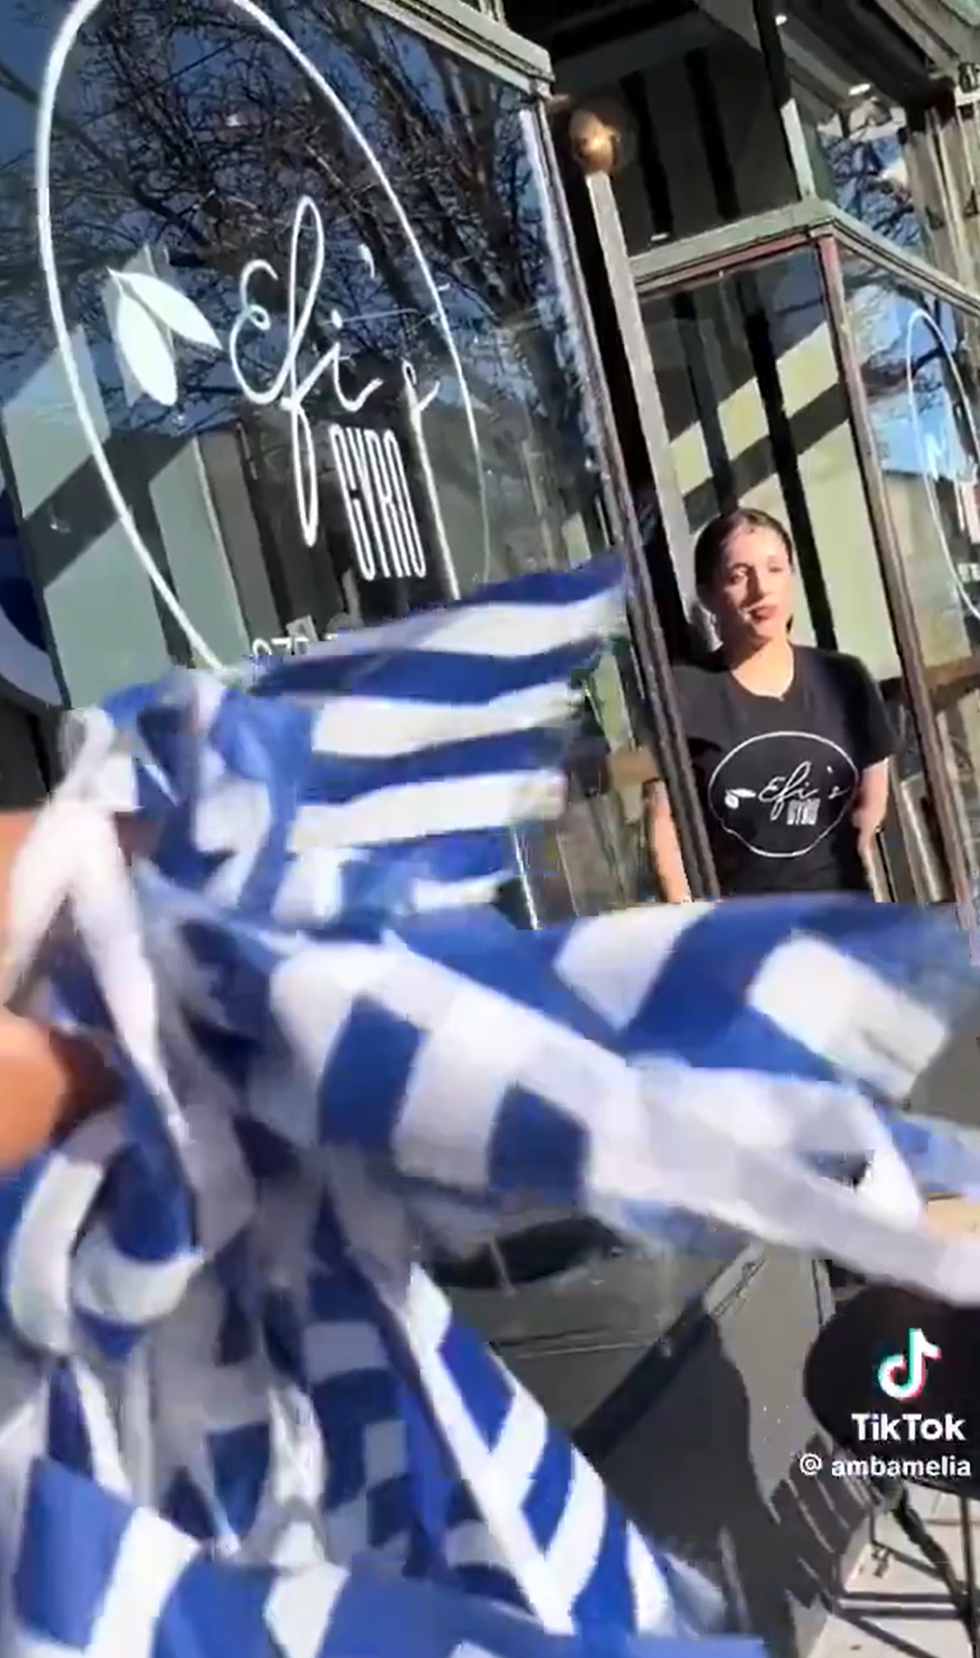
185	130
863	152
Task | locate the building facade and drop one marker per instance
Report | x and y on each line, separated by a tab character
775	212
316	312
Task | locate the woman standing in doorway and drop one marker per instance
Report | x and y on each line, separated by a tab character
790	745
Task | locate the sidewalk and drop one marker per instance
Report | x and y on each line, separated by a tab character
894	1602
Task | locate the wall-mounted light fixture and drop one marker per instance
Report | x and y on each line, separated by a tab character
602	136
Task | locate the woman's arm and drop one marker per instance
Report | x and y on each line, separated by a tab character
48	1082
873	745
665	847
871	805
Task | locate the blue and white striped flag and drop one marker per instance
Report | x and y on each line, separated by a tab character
237	1415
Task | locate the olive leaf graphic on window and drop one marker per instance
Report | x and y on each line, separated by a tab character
734	797
148	313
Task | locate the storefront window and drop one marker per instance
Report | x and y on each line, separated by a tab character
357	390
918	359
907	175
943	153
285	350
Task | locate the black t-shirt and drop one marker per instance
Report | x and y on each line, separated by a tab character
778	775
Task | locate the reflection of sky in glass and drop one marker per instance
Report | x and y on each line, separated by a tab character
926	437
869	177
23	48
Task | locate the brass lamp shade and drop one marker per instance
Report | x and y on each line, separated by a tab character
601	136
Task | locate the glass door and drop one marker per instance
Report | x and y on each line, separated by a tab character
747	366
744	385
915	353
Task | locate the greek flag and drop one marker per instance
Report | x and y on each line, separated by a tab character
237	1414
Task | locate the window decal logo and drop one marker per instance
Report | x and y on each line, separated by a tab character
151	314
959	414
148	312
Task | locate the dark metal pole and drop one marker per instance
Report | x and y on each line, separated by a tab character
893	572
777	73
970	1575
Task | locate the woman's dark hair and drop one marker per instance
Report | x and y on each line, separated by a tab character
717	533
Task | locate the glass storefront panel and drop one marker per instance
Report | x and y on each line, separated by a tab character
406	263
918	360
944	168
748	378
909	176
876	135
283	349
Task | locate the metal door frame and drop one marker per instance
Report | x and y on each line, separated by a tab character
679	774
892	567
801	224
648	636
473	33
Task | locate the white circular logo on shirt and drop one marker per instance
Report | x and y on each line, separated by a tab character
782	792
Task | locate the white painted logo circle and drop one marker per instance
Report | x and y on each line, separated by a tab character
929	460
152	293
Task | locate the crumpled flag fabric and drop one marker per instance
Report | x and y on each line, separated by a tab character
235	1412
